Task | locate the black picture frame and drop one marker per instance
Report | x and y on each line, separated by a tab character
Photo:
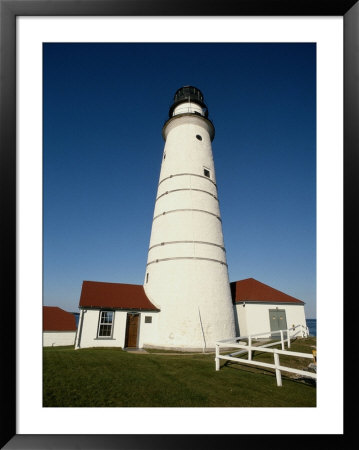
9	10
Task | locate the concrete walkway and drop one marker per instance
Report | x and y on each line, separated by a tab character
135	350
143	351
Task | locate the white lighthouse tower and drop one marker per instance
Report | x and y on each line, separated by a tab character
186	273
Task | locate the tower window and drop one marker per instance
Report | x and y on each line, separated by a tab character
147	277
199	137
164	156
207	173
148	319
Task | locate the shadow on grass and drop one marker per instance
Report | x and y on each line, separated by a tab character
268	372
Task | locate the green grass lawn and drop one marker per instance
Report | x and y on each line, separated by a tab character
107	377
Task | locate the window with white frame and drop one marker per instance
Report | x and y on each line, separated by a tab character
105	324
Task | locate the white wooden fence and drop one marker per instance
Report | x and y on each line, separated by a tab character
247	347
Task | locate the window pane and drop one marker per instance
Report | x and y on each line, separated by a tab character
106	316
105	330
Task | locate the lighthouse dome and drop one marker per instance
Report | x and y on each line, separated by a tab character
188	94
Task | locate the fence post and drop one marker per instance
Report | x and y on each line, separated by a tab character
277	371
281	339
302	330
250	350
217	359
288	336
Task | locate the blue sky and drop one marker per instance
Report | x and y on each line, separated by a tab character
104	108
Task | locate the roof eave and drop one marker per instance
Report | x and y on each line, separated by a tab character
118	308
298	302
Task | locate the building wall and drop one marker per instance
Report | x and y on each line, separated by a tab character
253	318
148	331
56	338
88	327
240	321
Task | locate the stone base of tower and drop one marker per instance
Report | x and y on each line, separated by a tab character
195	305
184	349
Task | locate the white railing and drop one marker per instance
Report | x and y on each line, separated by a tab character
247	347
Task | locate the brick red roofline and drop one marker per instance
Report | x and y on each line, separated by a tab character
110	282
252	290
101	294
57	319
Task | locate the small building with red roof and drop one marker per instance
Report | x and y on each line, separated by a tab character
59	327
114	315
121	315
260	308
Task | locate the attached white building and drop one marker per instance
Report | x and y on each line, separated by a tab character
115	315
121	315
259	308
59	327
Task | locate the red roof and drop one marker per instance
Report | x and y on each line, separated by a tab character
114	295
251	290
56	319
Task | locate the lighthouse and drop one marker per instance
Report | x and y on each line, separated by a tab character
186	273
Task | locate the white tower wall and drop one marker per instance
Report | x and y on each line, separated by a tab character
187	274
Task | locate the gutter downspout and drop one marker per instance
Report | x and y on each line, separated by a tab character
83	311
